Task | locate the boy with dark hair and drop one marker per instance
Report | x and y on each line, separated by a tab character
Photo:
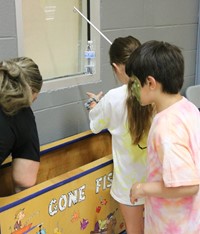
173	175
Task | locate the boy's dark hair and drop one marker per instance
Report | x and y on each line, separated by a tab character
161	60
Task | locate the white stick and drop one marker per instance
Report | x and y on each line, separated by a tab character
93	25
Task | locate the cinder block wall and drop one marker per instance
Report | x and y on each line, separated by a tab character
61	113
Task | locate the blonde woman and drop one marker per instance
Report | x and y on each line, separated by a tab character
20	84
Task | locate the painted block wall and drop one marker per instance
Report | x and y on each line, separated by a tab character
61	113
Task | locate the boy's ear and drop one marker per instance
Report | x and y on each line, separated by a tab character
151	81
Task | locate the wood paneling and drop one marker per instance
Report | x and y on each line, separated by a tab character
63	156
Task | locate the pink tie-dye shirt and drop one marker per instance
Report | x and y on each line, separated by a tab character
174	157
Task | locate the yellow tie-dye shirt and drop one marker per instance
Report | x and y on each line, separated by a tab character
174	157
129	160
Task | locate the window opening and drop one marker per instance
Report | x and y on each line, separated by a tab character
56	39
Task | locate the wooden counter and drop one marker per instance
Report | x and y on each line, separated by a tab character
62	156
72	194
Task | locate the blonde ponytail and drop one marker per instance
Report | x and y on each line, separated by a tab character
19	78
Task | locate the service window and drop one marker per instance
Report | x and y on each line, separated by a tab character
56	36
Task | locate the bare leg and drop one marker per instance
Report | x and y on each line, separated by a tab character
133	217
24	173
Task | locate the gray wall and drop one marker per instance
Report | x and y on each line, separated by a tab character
61	113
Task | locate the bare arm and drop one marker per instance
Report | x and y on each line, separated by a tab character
24	173
158	189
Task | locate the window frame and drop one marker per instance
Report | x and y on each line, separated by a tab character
73	80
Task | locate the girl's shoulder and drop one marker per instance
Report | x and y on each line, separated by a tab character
119	91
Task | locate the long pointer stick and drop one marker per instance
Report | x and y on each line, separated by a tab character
93	25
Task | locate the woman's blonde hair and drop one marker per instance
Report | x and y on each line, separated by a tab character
19	79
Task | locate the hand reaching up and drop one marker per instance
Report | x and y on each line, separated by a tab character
93	99
96	96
